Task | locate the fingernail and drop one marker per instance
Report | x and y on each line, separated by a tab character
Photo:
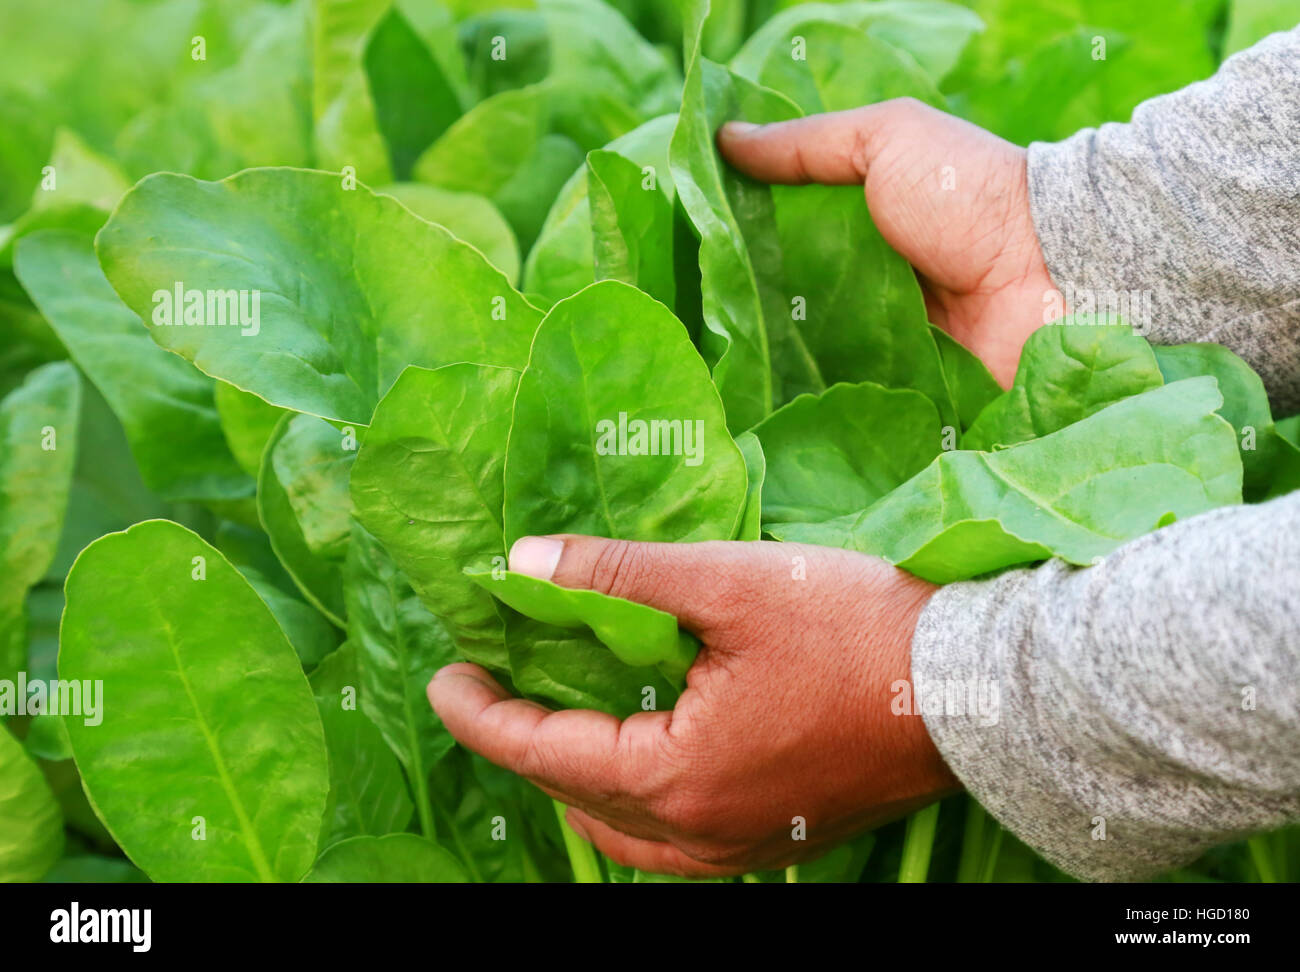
536	556
736	128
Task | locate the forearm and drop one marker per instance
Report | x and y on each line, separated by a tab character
1158	692
1188	218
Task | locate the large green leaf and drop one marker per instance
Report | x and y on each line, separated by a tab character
732	214
312	460
247	422
429	484
319	578
164	403
367	789
1076	494
31	826
210	761
931	33
841	67
353	286
637	634
466	216
1067	372
606	363
394	859
632	226
399	646
837	453
38	449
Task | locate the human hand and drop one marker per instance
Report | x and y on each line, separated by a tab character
786	712
951	198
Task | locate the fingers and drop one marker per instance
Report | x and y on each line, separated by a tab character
835	148
586	756
654	856
699	583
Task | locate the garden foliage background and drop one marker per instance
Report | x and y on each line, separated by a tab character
409	95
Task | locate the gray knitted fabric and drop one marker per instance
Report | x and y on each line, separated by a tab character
1153	699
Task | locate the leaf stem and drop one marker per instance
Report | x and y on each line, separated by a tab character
792	874
918	841
582	857
1260	853
969	866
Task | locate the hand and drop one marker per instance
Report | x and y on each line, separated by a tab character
970	239
786	712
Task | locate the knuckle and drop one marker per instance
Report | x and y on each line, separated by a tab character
617	569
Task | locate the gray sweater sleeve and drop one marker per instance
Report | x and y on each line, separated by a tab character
1149	707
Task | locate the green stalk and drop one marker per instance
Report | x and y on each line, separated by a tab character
969	865
1260	853
582	856
792	874
991	860
422	803
917	844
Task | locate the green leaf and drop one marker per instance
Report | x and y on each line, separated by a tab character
971	384
312	635
932	33
399	646
367	789
247	422
837	453
38	449
47	737
312	460
428	483
631	226
346	126
739	303
562	261
1067	372
1245	407
164	403
319	578
571	668
466	216
31	826
212	717
842	68
414	100
605	365
751	522
1076	494
505	149
94	869
394	859
353	287
637	634
1250	21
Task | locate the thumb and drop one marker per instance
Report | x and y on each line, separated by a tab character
834	148
699	583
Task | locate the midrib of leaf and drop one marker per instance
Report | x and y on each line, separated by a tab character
417	770
595	466
252	842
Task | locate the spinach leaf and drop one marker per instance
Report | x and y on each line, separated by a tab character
615	420
631	226
393	859
837	453
1076	494
210	763
353	287
428	483
467	217
31	826
38	449
1067	371
164	403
